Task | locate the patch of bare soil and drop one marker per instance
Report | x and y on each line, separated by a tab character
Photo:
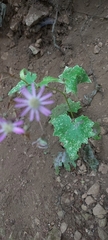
33	200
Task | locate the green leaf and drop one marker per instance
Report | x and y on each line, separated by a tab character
72	77
97	131
64	108
47	80
74	106
89	157
27	78
73	133
16	88
61	159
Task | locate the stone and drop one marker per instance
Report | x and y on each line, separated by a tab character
34	15
84	207
103	131
89	200
58	179
37	237
54	234
106	190
96	49
84	195
102	234
38	42
34	49
10	34
100	44
94	190
82	168
37	221
77	235
103	168
30	67
66	19
93	173
99	211
102	222
15	23
63	227
79	162
4	56
60	215
105	119
62	64
86	216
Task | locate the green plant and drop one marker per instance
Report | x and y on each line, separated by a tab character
73	129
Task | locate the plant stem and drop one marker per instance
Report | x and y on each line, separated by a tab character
64	95
68	104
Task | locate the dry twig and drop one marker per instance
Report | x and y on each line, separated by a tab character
53	33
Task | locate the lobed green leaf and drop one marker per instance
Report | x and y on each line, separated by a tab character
89	157
47	80
16	88
64	108
72	77
27	78
73	133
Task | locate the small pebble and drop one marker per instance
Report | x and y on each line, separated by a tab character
84	207
89	200
102	222
63	227
100	44
96	49
77	235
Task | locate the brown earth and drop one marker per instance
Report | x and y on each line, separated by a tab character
31	195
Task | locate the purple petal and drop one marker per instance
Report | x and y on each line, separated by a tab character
37	116
2	137
21	105
2	120
25	111
40	92
33	90
18	123
1	130
44	110
20	100
18	130
26	93
46	96
47	102
31	115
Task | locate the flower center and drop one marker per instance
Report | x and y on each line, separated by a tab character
34	103
7	127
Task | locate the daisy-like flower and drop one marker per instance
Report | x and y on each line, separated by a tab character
8	127
34	103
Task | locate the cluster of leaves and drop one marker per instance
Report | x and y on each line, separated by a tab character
72	132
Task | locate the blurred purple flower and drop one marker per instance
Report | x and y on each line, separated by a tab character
34	103
8	127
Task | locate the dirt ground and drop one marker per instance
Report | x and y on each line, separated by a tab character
33	200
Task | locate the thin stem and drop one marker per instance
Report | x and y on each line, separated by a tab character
54	89
41	126
68	104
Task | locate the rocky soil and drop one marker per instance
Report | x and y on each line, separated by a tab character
35	204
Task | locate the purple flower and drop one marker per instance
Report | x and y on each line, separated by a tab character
34	103
8	127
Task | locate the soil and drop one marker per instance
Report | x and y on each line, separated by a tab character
31	195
